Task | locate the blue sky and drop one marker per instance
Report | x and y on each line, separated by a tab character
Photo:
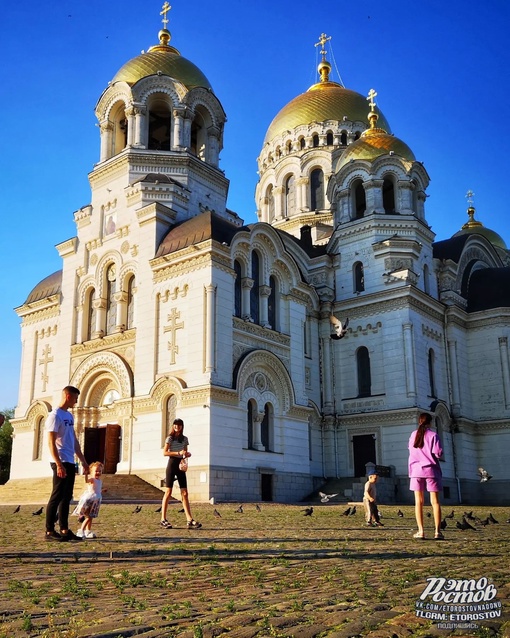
440	70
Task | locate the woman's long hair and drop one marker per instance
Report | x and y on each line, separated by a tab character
173	435
424	421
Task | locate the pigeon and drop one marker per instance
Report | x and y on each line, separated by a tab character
442	524
469	515
485	522
239	510
38	512
257	507
17	509
217	514
400	513
325	497
158	510
451	514
137	509
492	519
347	512
429	514
340	329
308	511
353	511
181	511
484	475
465	525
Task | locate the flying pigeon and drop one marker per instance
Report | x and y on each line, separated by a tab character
17	509
325	497
137	509
484	475
38	512
353	511
217	514
340	328
239	510
400	513
308	511
347	512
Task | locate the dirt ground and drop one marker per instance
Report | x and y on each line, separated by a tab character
273	572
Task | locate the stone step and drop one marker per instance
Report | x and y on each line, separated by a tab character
119	487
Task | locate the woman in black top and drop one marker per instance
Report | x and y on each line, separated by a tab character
176	448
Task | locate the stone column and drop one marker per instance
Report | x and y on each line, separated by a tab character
121	320
278	202
264	292
140	134
409	360
454	375
130	116
246	286
404	201
302	198
106	130
373	194
100	307
257	429
344	200
178	129
210	329
503	351
213	145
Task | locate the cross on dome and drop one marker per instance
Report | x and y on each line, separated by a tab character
470	196
166	8
322	41
371	95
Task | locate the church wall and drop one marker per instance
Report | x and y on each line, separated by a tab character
224	311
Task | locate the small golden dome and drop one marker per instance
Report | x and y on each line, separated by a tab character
372	144
473	226
323	101
166	60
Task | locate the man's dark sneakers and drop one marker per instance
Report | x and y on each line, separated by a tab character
70	536
53	536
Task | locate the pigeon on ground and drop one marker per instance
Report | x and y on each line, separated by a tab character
484	475
451	514
158	509
465	525
137	509
442	524
17	509
326	497
347	512
308	511
429	514
181	511
38	512
469	515
485	522
217	514
400	513
340	329
239	510
353	511
492	519
258	508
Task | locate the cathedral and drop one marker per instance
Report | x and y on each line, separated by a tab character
167	304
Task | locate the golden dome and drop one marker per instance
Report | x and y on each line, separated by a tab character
473	226
166	60
323	101
372	144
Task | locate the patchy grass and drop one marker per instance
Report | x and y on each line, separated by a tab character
256	574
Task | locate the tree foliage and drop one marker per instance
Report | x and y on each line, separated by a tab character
6	446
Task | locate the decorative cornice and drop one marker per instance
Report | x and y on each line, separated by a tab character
108	342
42	310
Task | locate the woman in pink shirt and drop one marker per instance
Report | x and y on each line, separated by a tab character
425	472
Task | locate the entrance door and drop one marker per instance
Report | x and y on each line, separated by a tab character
363	446
266	484
103	444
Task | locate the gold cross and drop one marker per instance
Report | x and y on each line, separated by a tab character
470	196
166	9
173	327
322	41
370	98
47	359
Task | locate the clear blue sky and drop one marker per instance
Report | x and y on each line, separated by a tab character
440	69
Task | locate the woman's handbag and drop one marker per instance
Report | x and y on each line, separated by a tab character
183	465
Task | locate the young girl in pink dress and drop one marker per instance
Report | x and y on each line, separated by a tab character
90	500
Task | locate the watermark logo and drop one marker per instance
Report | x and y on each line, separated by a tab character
456	603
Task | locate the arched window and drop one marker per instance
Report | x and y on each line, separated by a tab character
317	189
426	281
272	307
91	315
315	141
359	199
168	414
252	409
432	383
160	125
270	203
267	428
329	139
388	191
130	303
343	138
254	292
38	439
290	195
288	146
302	143
359	277
357	135
238	292
111	303
364	376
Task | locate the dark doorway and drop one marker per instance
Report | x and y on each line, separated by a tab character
103	444
266	487
363	446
